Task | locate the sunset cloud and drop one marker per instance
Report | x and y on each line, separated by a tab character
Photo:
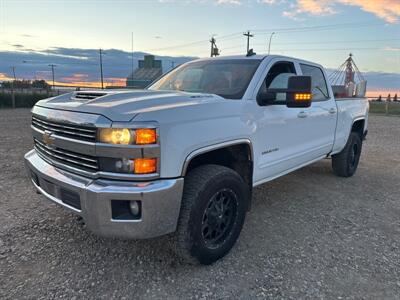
388	10
232	2
4	77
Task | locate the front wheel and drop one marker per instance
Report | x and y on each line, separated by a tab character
345	163
212	214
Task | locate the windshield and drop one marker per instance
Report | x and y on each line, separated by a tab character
227	78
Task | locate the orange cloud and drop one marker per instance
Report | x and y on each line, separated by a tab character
388	10
78	80
382	92
83	80
76	77
4	77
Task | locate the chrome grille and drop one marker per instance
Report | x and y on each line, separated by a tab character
73	159
77	132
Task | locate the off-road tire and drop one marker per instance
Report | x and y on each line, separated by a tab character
344	164
201	185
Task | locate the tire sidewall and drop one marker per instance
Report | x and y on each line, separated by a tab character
354	139
199	249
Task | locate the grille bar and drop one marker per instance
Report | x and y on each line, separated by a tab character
67	157
71	131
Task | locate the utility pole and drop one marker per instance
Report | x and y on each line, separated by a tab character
12	87
52	72
101	69
269	44
249	35
13	69
214	48
132	57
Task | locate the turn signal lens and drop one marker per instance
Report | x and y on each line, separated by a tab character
302	97
121	136
145	165
146	136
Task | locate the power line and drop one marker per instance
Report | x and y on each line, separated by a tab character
237	35
321	49
315	43
317	27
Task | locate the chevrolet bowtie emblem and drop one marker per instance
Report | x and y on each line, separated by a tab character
48	139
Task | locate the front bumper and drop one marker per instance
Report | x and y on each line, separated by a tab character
160	200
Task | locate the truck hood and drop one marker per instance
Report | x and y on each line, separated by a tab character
124	105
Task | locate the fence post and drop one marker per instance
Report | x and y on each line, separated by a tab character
12	97
387	107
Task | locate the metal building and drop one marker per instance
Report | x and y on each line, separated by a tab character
149	69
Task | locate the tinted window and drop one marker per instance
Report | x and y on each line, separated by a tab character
318	82
227	78
277	78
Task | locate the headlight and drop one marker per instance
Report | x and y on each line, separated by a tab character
121	136
125	136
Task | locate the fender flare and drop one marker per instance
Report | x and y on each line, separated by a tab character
217	146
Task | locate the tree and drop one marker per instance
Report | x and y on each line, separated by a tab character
26	84
379	98
389	98
395	98
40	84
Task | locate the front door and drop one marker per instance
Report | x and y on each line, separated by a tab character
285	138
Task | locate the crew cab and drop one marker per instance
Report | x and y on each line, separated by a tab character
183	156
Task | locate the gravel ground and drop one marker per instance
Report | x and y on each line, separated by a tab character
309	235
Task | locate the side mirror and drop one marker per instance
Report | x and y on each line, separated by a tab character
299	91
266	98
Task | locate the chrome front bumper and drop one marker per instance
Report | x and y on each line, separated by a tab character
160	200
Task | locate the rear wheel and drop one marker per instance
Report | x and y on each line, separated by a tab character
212	214
345	163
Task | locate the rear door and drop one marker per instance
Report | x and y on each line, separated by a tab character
322	115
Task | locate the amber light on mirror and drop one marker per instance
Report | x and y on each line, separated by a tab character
302	97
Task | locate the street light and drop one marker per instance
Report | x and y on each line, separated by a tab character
269	44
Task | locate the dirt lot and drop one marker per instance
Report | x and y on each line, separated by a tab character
309	235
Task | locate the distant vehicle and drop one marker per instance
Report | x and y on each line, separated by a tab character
183	155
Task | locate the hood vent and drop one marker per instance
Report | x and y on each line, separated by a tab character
86	96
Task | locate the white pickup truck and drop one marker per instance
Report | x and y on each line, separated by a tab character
182	156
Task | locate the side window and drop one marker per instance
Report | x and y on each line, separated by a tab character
277	78
318	82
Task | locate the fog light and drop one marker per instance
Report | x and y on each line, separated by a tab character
134	207
124	165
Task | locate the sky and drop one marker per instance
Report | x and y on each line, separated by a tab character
69	34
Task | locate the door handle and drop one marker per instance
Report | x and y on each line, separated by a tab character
302	114
332	111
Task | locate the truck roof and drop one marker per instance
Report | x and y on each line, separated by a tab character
261	57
